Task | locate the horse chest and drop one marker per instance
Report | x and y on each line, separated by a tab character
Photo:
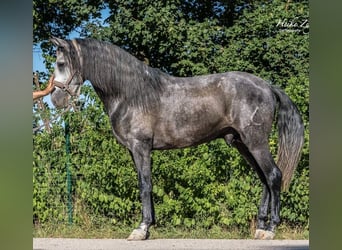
129	125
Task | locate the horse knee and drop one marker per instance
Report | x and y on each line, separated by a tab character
145	189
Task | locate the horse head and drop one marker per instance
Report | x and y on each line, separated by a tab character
67	76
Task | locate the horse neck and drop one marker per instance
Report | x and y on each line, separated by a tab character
115	74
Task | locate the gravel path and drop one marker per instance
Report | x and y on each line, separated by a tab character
166	244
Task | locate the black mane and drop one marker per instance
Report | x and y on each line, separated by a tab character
115	73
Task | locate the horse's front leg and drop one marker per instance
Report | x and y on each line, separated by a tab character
141	153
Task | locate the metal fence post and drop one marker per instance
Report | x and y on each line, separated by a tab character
69	183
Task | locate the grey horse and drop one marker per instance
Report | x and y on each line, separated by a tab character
151	110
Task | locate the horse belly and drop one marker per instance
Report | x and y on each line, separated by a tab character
189	123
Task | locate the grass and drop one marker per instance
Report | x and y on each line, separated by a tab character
114	232
89	226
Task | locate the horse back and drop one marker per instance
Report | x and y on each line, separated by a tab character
198	109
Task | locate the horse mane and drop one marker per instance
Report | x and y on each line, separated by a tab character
114	73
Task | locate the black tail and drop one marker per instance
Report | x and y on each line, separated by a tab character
291	136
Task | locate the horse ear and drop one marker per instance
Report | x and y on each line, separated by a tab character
58	42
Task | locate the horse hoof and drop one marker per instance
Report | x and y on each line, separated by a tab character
261	234
138	234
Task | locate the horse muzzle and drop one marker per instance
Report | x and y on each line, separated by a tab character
59	98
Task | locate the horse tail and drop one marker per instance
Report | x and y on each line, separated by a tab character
290	136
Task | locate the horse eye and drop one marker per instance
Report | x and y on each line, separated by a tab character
60	64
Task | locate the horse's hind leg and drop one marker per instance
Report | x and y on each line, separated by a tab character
273	177
263	231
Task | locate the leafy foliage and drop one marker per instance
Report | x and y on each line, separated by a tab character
204	186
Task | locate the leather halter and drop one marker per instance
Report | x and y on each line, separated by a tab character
66	86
